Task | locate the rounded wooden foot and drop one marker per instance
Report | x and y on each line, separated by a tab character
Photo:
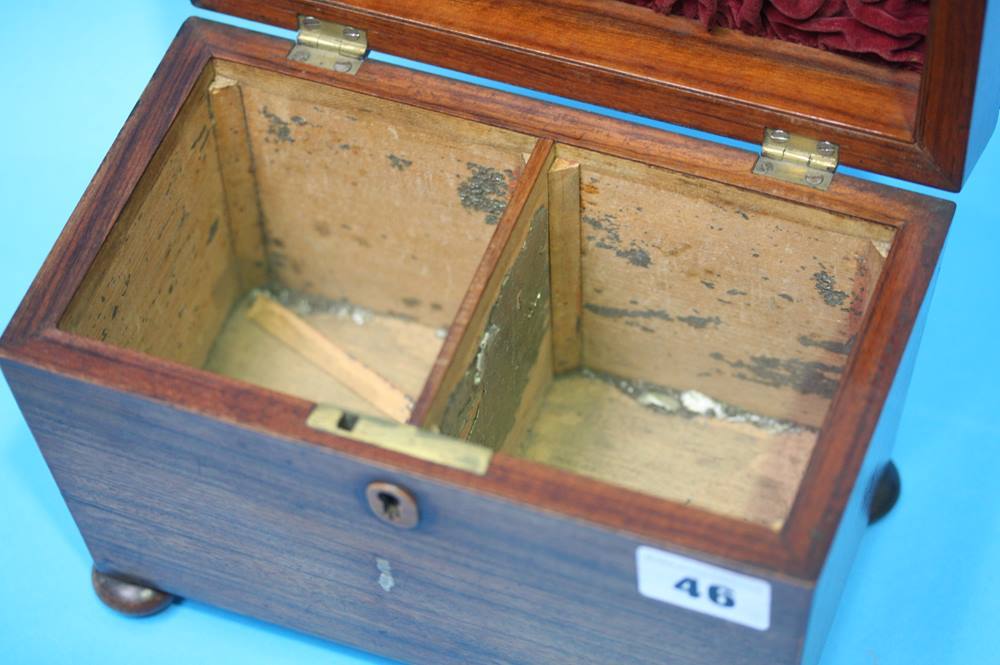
885	493
129	598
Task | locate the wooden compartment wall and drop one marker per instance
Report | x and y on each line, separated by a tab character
708	326
644	344
365	217
701	343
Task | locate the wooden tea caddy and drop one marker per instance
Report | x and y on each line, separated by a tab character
652	388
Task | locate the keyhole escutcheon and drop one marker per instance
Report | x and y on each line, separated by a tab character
392	504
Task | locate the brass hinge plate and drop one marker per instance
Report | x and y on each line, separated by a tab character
797	159
405	439
333	46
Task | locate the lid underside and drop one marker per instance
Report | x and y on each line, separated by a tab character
886	119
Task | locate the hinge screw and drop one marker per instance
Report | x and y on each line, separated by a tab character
825	148
780	135
352	33
310	22
814	180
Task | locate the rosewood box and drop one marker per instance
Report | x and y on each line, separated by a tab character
454	375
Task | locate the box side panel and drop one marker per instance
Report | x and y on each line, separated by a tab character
280	531
855	520
987	93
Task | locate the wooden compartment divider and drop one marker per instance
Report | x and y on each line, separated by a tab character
565	260
455	397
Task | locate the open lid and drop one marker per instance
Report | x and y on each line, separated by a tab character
888	119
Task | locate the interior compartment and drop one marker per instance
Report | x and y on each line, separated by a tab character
363	217
691	340
656	331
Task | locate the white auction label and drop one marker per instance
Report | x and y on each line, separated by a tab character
703	588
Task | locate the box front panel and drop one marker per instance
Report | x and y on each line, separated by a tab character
280	531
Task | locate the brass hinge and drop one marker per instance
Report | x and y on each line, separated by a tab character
797	159
333	46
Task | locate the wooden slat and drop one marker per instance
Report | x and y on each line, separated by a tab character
238	180
399	349
564	254
331	358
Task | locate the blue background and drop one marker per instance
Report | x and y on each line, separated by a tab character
925	587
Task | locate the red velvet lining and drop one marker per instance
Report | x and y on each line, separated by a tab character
892	31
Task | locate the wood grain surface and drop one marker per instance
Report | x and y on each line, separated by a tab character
694	285
565	253
371	200
169	263
309	342
798	550
246	352
626	57
741	470
239	180
491	317
280	530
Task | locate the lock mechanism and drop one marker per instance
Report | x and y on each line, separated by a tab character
406	439
334	46
797	159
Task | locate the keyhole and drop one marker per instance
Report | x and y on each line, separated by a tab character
392	504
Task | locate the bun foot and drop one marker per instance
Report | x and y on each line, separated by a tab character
127	597
884	493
